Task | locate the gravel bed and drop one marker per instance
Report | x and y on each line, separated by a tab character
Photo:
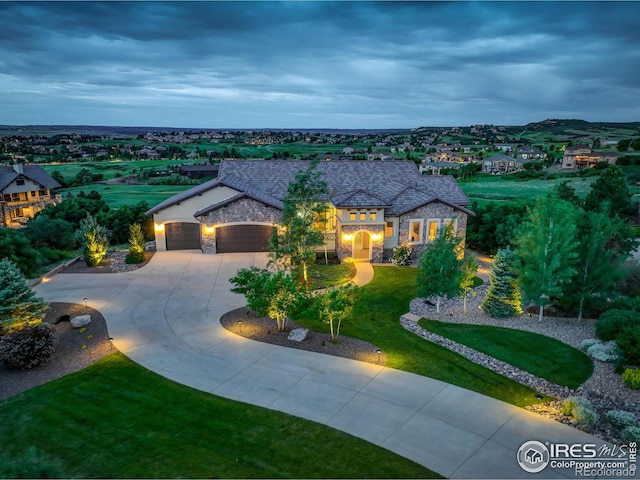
604	389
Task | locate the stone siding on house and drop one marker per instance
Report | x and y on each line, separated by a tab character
244	210
436	211
344	249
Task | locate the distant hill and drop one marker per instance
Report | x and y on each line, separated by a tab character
564	126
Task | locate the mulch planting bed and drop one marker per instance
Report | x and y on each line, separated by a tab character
264	329
76	349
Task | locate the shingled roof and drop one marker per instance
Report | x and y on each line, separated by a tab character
397	185
33	172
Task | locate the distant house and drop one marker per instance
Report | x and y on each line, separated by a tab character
583	156
372	207
332	157
500	163
379	155
24	191
529	153
435	168
199	171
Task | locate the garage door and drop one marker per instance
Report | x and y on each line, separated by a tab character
182	236
243	238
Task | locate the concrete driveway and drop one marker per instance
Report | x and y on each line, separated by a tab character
165	316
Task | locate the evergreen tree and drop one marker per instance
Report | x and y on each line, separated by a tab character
19	306
439	272
547	245
610	194
94	239
299	236
503	297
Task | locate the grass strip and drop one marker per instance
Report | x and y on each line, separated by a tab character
540	355
116	419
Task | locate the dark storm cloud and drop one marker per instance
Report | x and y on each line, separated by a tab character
297	64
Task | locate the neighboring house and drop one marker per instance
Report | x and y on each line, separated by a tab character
199	171
379	155
372	208
531	154
502	164
583	156
434	168
24	191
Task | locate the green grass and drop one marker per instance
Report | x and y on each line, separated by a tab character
388	297
110	169
496	187
117	195
560	363
115	419
323	276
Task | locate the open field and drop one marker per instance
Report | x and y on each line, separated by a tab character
110	169
116	195
496	187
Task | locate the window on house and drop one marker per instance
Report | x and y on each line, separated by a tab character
352	216
20	182
415	231
33	193
433	230
372	216
42	193
363	216
388	229
15	197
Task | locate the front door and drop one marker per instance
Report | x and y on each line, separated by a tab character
361	246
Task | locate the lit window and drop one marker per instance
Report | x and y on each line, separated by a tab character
363	216
372	216
352	216
415	231
388	229
433	230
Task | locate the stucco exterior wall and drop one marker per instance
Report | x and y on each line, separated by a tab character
183	212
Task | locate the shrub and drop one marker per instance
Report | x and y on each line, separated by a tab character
605	351
402	255
580	409
95	241
136	244
631	377
631	434
28	348
588	342
629	343
620	418
33	463
612	322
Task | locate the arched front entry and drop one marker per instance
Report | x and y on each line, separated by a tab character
362	246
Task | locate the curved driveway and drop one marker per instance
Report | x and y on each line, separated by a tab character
165	316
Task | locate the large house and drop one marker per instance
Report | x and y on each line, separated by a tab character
501	163
24	191
372	208
582	156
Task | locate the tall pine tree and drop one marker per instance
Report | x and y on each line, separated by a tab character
503	297
19	306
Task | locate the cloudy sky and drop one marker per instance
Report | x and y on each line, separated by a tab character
318	64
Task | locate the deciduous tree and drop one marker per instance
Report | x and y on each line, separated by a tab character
338	304
294	243
546	246
439	271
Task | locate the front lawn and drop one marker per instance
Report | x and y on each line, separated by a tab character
388	297
323	276
537	354
115	419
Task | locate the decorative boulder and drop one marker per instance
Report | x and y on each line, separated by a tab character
298	334
80	321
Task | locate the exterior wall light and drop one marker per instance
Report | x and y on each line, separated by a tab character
209	230
376	237
158	227
347	237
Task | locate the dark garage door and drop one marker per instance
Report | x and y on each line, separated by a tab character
182	236
243	238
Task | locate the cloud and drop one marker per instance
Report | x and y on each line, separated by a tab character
342	64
